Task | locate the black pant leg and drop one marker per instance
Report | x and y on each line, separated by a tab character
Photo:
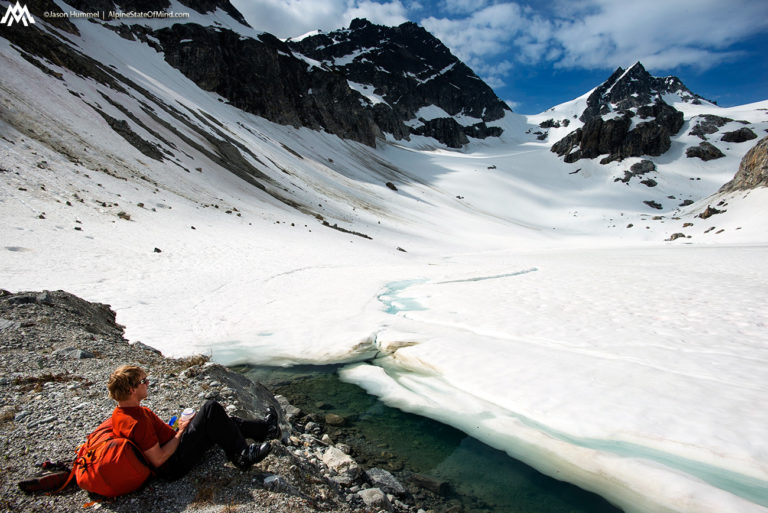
253	429
211	426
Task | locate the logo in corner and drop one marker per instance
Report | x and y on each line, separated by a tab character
18	14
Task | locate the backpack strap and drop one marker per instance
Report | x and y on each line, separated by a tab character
75	463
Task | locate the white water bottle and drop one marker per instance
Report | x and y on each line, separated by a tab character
187	414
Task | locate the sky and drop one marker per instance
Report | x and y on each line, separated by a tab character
537	54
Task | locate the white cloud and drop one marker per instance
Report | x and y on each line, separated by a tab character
599	34
285	18
660	33
486	32
463	6
391	13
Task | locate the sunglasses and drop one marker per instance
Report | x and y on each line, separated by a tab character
144	381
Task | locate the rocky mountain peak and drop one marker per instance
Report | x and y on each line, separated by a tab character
609	127
632	88
401	70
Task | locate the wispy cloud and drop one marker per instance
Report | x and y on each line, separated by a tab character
601	34
494	36
661	33
285	18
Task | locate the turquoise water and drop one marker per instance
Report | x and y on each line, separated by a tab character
481	479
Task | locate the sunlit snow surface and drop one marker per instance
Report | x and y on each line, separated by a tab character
536	305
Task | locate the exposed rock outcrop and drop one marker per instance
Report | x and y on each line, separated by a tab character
263	77
707	124
406	68
753	170
738	136
705	151
626	95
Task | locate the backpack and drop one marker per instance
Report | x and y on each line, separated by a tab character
109	465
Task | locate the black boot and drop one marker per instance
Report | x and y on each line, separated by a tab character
273	426
252	454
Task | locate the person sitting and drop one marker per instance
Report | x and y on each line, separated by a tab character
173	453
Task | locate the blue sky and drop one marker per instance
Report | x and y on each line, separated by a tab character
537	54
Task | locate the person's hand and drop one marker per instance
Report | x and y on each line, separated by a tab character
183	425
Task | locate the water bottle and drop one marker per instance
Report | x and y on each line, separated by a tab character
187	414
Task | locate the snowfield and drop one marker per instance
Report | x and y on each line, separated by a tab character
534	304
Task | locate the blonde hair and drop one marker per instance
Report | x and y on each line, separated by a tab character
122	380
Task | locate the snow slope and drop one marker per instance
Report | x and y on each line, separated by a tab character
536	304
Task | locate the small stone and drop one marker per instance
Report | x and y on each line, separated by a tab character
74	353
276	483
382	479
375	498
145	347
340	463
333	419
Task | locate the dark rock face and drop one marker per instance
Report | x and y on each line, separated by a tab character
638	169
739	136
635	87
405	66
753	170
626	95
705	151
707	124
261	76
613	137
409	69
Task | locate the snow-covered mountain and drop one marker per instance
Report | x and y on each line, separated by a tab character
293	201
410	80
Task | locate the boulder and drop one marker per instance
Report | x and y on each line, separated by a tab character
753	170
385	481
375	498
340	463
738	136
333	419
707	124
705	151
430	483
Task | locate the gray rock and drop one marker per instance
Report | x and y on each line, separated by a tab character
74	353
738	136
382	479
276	483
6	324
333	419
145	347
340	463
707	124
753	170
705	151
430	483
375	498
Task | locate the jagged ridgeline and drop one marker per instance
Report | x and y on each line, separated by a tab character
627	96
358	83
401	70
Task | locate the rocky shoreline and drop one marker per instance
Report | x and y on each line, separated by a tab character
56	353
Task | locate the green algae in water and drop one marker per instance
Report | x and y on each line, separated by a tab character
481	478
